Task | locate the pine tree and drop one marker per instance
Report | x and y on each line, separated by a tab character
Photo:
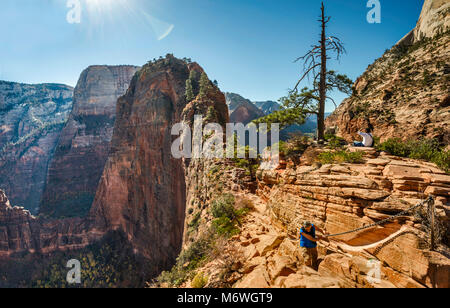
297	105
205	85
189	90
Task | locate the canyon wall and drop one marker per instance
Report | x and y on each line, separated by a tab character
404	94
31	120
84	144
20	232
143	190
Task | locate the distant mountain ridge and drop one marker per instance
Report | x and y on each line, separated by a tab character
243	110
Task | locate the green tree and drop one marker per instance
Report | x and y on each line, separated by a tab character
189	90
205	85
299	104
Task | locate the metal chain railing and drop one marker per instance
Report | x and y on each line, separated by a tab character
428	201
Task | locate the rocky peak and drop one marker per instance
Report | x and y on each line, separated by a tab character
242	110
84	144
434	19
143	187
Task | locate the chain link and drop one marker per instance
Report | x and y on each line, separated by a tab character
428	200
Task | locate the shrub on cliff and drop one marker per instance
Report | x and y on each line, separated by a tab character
200	280
227	216
339	157
425	149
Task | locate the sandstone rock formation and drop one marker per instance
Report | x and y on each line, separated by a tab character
143	190
404	94
31	119
84	143
20	232
244	111
344	197
434	19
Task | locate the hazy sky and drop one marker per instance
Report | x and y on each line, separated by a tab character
247	45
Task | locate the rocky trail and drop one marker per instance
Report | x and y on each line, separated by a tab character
340	198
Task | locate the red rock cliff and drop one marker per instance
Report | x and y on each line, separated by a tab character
84	144
143	190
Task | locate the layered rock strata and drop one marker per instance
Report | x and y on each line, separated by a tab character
31	120
339	198
84	144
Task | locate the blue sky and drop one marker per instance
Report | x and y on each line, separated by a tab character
247	45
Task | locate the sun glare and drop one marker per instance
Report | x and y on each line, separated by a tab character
102	12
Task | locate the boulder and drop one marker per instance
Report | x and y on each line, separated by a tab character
257	279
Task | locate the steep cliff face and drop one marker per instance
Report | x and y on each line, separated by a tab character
31	119
20	232
84	143
405	94
434	19
143	190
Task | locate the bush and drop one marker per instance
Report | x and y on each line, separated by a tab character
227	216
334	141
200	280
189	260
425	149
295	146
395	147
340	157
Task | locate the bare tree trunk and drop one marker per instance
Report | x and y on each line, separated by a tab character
323	81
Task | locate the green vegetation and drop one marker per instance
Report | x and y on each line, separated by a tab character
341	156
429	150
110	263
334	141
205	85
227	214
188	261
189	90
200	280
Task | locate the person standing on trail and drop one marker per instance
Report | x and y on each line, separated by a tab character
308	243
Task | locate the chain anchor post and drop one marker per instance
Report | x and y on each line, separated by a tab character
432	209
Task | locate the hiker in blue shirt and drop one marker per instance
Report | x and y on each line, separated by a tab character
308	243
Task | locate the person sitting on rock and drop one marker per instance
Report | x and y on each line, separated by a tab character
308	244
367	139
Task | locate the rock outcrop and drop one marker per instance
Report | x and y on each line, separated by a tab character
339	198
84	144
20	232
31	120
405	94
143	189
434	19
